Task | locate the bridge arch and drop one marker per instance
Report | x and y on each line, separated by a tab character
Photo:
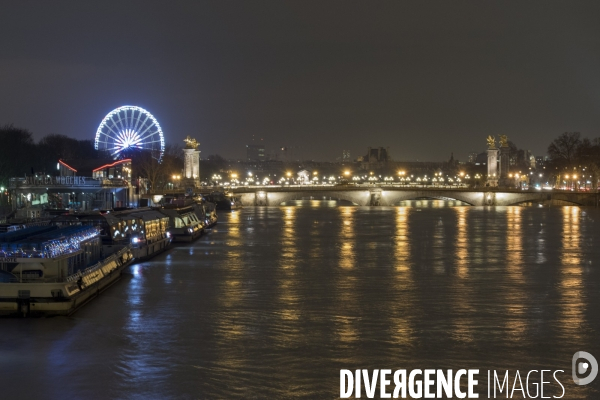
393	198
353	197
390	196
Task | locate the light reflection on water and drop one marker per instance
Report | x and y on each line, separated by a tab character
571	281
277	299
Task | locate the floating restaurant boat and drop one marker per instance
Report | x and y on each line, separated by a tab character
145	229
149	231
47	270
185	224
206	212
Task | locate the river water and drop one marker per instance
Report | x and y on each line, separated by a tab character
276	300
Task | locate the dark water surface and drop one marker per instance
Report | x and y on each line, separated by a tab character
276	300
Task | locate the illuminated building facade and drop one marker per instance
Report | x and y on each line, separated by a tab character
74	188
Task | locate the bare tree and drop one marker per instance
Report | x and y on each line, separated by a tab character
17	153
146	165
563	150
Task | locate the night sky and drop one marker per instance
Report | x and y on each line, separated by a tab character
424	78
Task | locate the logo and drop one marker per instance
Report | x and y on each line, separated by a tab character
580	367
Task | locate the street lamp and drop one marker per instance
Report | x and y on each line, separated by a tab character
176	178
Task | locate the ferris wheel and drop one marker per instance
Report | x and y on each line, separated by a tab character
129	128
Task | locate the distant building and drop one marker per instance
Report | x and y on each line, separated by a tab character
540	161
532	163
481	159
473	157
375	158
255	152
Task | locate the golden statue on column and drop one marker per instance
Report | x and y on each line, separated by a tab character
503	141
191	143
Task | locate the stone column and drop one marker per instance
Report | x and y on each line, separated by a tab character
504	164
492	164
191	168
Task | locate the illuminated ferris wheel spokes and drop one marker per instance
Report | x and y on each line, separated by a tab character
127	128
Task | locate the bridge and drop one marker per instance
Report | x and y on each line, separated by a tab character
393	195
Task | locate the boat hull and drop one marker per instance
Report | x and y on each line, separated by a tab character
150	250
177	237
62	298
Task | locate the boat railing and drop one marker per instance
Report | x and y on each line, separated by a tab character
81	273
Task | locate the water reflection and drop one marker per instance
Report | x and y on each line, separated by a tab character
432	203
572	301
402	241
286	298
462	243
286	275
401	311
346	325
462	288
516	292
230	325
346	238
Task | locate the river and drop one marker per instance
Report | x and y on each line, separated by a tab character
276	300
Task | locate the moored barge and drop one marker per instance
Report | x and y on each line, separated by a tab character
49	270
148	230
184	223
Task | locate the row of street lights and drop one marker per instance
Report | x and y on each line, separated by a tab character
403	178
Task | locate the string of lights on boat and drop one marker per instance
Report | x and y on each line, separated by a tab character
67	243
